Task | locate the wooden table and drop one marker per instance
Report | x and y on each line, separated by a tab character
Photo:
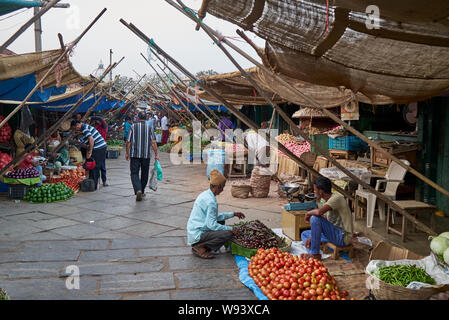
413	207
343	154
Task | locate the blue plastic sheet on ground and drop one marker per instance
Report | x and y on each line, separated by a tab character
242	264
343	254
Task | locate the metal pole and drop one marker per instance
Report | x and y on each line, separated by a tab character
27	25
62	56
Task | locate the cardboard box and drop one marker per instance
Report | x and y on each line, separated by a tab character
293	222
385	251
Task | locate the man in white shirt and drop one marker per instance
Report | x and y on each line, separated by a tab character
165	130
257	145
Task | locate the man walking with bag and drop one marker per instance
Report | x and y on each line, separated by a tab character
140	138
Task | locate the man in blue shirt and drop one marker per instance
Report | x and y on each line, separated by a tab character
206	231
96	147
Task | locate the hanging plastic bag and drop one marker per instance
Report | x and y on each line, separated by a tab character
153	180
158	168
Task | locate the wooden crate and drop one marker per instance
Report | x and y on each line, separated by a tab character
293	222
407	153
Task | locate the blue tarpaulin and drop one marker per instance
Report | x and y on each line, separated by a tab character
8	6
17	89
178	107
64	105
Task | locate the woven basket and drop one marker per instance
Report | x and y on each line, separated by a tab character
260	184
241	191
384	291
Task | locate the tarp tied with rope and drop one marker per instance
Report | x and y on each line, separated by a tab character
328	43
8	6
19	74
237	90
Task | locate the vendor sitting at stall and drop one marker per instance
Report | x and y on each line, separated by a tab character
21	139
206	231
30	162
337	228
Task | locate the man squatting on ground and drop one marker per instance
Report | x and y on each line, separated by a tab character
206	231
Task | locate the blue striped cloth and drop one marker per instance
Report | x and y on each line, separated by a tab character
89	131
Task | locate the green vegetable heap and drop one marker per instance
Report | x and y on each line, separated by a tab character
402	275
255	235
115	142
49	193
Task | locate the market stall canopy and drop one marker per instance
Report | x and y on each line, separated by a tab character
235	88
327	96
406	59
8	6
64	105
20	73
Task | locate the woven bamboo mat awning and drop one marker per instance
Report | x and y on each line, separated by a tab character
405	60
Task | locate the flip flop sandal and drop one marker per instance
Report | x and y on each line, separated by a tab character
205	255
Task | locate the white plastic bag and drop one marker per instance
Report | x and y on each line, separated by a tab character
153	180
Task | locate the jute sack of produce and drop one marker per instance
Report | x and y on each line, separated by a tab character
260	182
287	178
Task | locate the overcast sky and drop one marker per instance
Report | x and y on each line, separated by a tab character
169	28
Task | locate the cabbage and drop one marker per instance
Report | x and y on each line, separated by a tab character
446	256
438	245
445	235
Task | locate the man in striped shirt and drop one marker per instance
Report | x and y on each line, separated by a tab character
138	148
96	146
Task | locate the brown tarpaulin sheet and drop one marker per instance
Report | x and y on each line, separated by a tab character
399	63
236	89
39	62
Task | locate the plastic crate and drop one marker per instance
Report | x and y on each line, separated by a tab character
193	156
3	187
112	154
18	191
349	143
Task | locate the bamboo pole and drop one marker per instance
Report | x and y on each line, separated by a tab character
192	116
381	196
113	112
204	104
87	114
19	158
180	117
236	112
55	64
188	99
182	102
313	103
28	24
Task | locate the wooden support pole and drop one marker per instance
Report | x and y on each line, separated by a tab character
312	102
28	24
19	158
231	108
87	114
52	68
185	95
293	126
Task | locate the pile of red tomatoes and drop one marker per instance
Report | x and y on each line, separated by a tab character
5	132
282	276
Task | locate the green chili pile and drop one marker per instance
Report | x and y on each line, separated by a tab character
402	275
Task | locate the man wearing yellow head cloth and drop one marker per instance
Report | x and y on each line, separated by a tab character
206	231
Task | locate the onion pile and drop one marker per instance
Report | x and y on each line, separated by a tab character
23	173
235	148
297	149
5	132
4	160
285	138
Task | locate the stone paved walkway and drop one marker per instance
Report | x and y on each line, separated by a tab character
126	249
